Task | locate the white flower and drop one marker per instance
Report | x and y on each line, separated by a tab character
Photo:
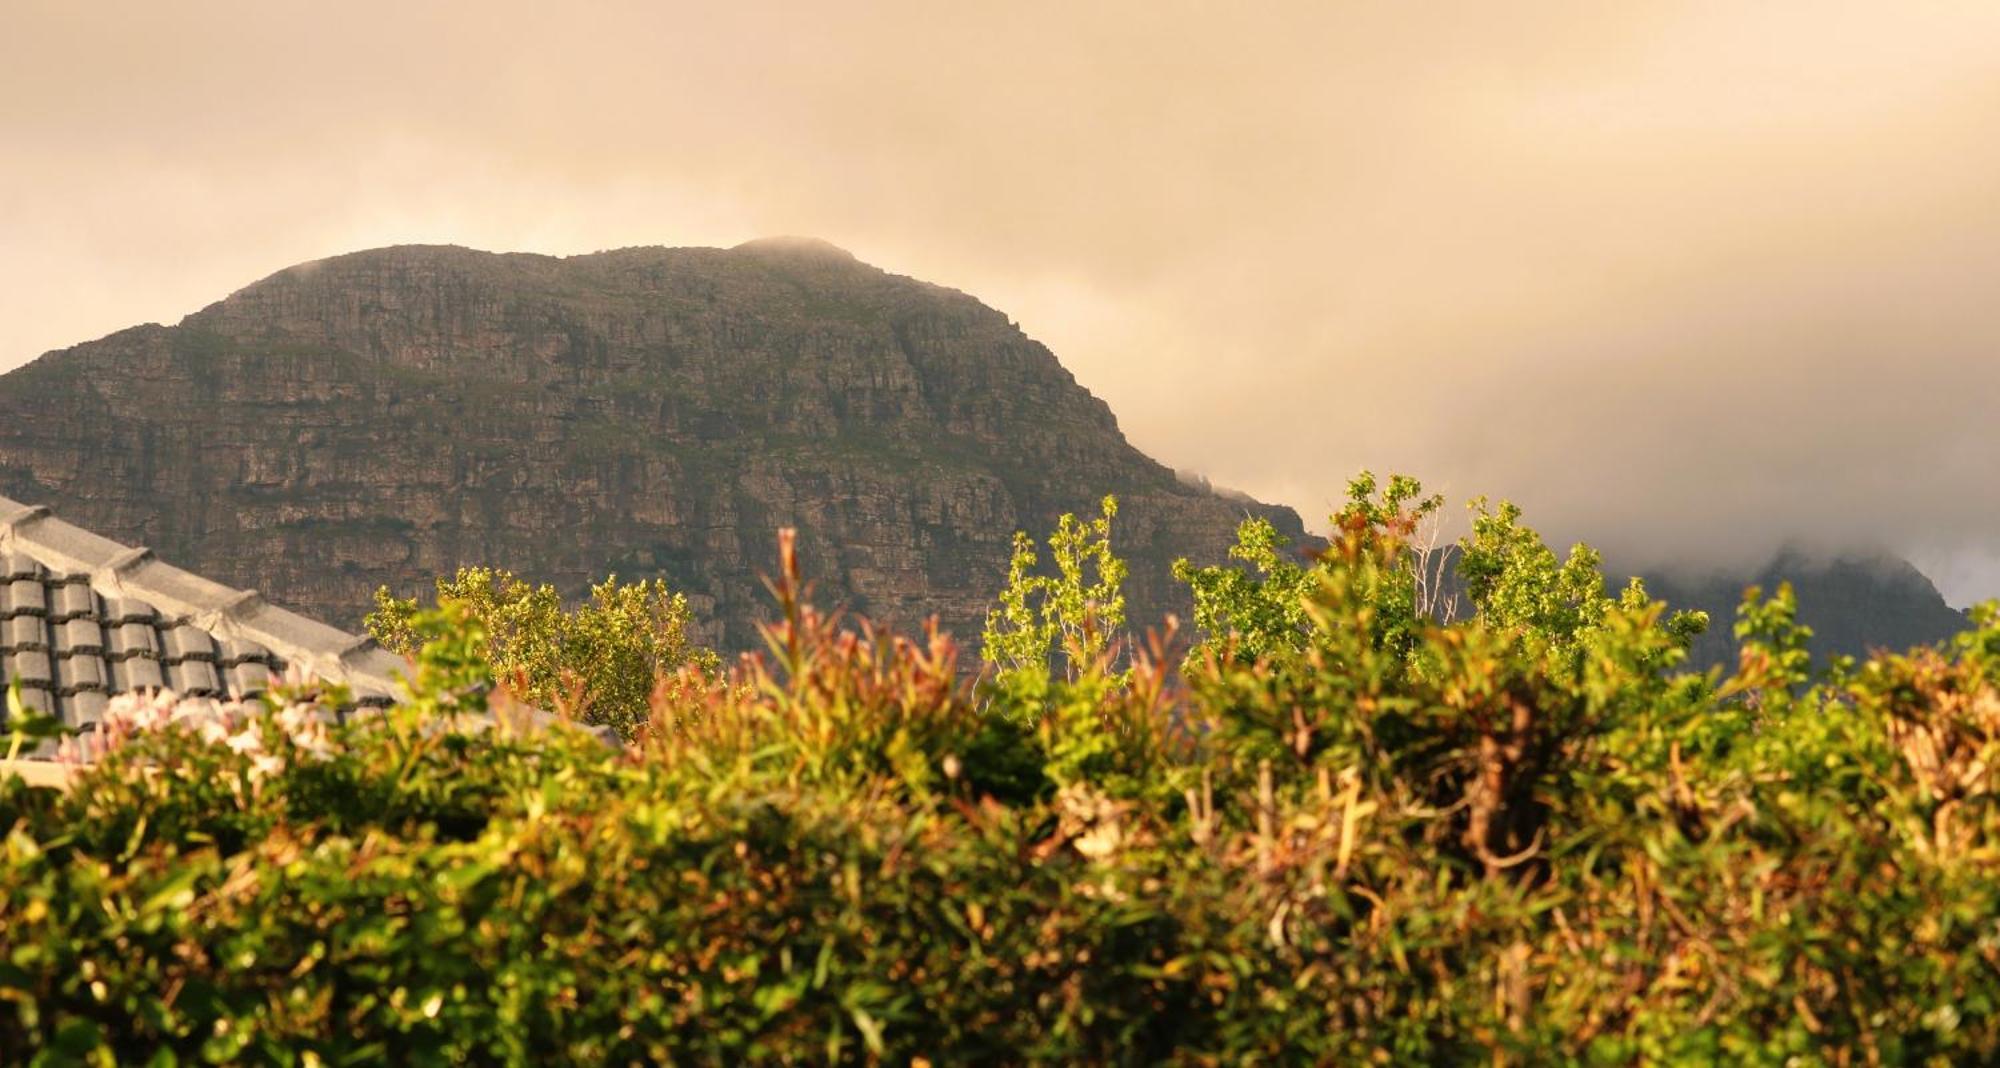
155	714
265	765
295	718
193	712
248	740
214	722
314	743
120	710
294	678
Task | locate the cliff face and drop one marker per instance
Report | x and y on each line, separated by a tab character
383	417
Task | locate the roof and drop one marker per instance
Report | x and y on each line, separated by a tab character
83	617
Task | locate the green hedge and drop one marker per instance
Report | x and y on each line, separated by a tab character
1386	842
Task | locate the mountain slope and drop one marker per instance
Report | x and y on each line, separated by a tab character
382	417
1854	603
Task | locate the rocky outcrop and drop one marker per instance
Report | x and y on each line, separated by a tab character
384	417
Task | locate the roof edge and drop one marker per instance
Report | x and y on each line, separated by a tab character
119	570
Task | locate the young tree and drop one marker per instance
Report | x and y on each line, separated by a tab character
1079	610
1262	612
1514	580
599	660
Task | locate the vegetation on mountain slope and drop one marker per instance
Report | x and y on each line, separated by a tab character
1340	831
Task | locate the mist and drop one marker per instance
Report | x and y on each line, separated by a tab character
1690	283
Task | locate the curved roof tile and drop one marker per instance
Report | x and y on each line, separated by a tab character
83	617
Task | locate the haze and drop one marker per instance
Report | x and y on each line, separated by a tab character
1690	282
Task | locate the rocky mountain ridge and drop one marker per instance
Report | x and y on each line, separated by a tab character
382	417
1856	603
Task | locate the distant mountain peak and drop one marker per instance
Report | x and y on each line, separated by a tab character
1856	601
796	247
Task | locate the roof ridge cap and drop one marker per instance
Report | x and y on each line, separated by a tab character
115	568
337	655
16	513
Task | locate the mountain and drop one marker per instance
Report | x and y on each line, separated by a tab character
384	417
1855	603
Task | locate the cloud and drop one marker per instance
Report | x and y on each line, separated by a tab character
1691	282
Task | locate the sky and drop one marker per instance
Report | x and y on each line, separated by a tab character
1690	280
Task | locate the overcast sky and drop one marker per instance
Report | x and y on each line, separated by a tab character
1690	282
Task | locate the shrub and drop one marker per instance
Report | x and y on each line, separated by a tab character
596	661
1386	839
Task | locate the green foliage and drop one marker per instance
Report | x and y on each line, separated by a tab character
1082	721
1520	837
598	662
24	728
1262	611
1398	506
1078	611
1773	643
1512	579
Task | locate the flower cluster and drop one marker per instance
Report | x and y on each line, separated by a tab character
267	732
